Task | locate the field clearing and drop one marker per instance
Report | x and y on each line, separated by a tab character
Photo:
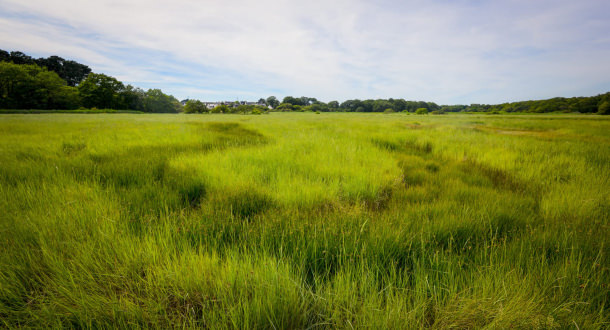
300	220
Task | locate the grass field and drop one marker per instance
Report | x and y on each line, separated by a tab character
304	221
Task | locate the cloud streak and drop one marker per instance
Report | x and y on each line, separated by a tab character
443	51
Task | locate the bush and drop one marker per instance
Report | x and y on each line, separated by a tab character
421	111
221	109
284	107
388	111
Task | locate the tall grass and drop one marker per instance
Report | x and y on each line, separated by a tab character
303	221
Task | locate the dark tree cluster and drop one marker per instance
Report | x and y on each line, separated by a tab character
70	71
55	83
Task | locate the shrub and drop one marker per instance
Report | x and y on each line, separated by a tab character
221	109
284	107
421	111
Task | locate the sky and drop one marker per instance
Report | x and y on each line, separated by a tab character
443	51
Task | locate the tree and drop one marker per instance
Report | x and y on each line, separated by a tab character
74	72
132	98
320	107
158	102
305	101
32	87
333	106
604	108
273	102
399	104
195	106
585	105
382	105
71	71
4	56
17	87
351	105
53	92
100	91
21	58
291	100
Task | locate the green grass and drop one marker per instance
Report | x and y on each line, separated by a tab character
304	221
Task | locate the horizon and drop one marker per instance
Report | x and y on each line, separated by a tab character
421	51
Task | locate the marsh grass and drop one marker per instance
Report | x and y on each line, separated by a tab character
304	221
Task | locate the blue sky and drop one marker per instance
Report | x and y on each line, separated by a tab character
448	52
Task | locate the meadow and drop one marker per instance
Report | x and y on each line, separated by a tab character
304	220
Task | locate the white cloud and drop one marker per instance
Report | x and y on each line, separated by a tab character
448	52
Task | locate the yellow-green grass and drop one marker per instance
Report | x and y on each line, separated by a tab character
304	221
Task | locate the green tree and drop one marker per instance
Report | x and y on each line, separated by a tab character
585	105
72	72
17	87
4	56
32	87
158	102
320	107
101	91
382	105
604	108
273	102
53	92
333	106
132	98
195	106
21	58
291	100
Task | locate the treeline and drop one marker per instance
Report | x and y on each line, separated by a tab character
196	106
303	103
595	104
55	83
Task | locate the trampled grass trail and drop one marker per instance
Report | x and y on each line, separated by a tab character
304	220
